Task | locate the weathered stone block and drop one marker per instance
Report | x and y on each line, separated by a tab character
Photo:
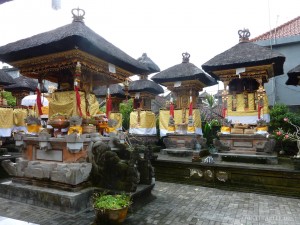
72	173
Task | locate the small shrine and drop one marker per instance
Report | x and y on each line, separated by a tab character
143	91
23	87
244	69
181	122
70	154
5	79
113	95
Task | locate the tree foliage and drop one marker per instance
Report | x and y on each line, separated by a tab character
277	115
11	100
125	109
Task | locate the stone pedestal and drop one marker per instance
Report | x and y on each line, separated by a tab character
182	144
246	148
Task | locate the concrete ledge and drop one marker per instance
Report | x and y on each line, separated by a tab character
251	158
64	201
177	151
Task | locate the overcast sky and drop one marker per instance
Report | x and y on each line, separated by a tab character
164	29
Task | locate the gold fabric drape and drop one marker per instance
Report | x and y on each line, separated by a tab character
65	103
164	116
147	119
20	116
240	106
118	117
6	118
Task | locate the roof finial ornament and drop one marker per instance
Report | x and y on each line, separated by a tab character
185	57
79	15
244	35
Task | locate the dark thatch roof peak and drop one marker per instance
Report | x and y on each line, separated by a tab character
115	90
149	64
72	36
145	86
24	83
182	72
245	54
294	76
5	78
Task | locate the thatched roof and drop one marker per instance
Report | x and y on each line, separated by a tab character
245	54
145	85
294	76
5	78
182	72
24	83
115	90
68	37
148	63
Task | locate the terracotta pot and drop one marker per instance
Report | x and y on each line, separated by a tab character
59	123
111	216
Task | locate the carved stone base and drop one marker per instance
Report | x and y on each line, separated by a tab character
67	173
68	202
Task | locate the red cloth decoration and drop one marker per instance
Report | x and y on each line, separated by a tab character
224	112
108	106
39	101
78	100
191	109
259	109
172	109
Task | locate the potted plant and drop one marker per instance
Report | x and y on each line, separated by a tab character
59	120
111	208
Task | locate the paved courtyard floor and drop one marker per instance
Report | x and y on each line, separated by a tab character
176	204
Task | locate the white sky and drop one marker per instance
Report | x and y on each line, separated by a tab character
164	29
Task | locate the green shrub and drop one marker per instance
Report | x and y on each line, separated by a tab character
125	109
277	115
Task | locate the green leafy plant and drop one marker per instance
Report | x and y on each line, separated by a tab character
125	109
277	115
11	100
215	122
105	201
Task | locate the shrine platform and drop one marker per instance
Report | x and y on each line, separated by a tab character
58	199
279	179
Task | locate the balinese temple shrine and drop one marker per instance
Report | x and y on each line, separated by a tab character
78	60
244	69
293	76
143	91
181	122
113	95
6	118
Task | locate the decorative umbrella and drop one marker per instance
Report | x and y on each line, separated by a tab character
30	100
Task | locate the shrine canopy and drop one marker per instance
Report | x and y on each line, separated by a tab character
144	89
245	60
53	55
182	73
294	76
5	79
